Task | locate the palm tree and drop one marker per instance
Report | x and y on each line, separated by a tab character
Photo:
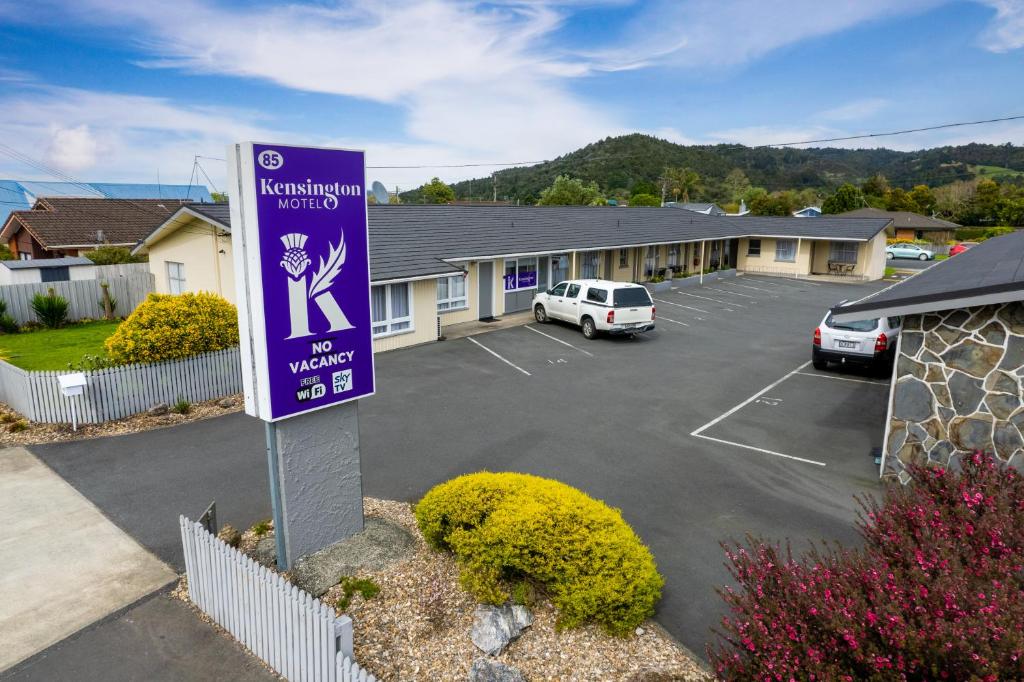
681	182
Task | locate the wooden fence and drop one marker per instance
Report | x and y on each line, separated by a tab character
84	296
295	634
118	392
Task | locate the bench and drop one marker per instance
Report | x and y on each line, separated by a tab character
840	267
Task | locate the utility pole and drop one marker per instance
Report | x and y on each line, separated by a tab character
662	192
494	184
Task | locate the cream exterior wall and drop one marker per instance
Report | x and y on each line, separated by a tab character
197	245
472	294
424	319
766	261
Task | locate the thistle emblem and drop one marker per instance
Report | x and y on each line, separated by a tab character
295	259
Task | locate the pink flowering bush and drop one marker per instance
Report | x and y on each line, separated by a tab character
936	592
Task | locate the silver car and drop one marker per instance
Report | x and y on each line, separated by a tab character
867	343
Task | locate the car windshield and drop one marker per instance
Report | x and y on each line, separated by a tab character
631	296
857	326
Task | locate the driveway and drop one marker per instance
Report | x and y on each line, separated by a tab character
614	417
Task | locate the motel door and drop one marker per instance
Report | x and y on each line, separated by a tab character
485	274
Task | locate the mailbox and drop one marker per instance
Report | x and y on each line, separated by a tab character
72	384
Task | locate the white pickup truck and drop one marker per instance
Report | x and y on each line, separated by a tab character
597	305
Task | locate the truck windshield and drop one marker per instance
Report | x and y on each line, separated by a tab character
631	296
857	326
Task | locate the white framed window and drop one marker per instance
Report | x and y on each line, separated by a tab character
451	293
650	261
176	278
843	252
673	255
754	247
623	258
391	309
785	250
589	264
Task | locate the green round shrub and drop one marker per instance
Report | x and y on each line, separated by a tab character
503	527
165	327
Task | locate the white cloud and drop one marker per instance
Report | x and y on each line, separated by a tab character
72	149
1006	32
855	110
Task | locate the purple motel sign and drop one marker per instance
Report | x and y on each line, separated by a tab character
523	280
303	277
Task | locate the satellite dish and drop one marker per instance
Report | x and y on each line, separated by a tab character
380	192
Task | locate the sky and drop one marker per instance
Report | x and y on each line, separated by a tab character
115	90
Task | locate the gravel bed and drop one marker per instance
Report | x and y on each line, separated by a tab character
36	433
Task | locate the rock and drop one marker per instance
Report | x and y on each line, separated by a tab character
230	535
1013	315
956	318
380	544
911	453
905	366
265	552
954	463
994	333
158	410
930	358
1001	382
1017	462
965	392
933	343
917	431
912	401
930	322
911	343
949	336
971	433
972	357
940	452
935	374
225	403
897	438
911	322
639	632
1006	439
979	318
946	414
487	670
942	394
1002	405
1014	357
494	627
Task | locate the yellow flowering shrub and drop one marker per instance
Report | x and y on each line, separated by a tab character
503	527
164	327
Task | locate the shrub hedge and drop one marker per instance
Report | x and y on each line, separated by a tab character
980	234
936	592
164	327
504	527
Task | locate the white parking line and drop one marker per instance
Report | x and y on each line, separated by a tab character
564	343
688	307
796	279
507	362
775	285
661	317
829	376
706	298
698	433
745	286
731	293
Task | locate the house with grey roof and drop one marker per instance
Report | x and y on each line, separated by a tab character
908	225
434	266
45	270
957	386
698	207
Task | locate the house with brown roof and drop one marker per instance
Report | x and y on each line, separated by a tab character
907	225
57	227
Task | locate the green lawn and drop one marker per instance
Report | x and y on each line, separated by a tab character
52	349
995	172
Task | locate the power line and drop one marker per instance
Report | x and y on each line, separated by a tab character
894	132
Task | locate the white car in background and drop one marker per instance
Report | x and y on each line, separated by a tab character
867	343
597	305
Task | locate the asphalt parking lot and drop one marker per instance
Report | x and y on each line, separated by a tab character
780	450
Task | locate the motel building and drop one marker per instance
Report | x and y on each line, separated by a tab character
437	266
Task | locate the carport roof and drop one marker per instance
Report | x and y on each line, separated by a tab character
413	241
991	272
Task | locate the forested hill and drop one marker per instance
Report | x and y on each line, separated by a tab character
618	163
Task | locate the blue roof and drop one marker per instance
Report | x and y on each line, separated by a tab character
19	195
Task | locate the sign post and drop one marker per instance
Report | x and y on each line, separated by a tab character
302	272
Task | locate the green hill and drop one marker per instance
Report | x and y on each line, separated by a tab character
618	163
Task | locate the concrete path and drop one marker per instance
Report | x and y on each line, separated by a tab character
65	565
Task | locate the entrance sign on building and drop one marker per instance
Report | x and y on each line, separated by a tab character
301	251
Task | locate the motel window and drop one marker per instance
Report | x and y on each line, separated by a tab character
589	264
391	309
754	247
785	250
176	277
451	293
673	255
651	261
843	252
623	258
520	273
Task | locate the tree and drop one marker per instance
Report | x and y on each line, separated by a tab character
776	203
219	197
924	198
111	255
437	192
644	200
645	187
5	252
735	185
846	198
566	191
875	186
682	182
898	199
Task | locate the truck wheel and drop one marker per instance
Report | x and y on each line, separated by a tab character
820	364
540	314
589	328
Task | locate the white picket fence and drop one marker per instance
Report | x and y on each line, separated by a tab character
295	634
118	392
84	296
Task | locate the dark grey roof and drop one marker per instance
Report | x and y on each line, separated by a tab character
698	207
992	271
218	212
904	219
415	240
45	263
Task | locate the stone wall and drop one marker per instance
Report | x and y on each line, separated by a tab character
958	388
